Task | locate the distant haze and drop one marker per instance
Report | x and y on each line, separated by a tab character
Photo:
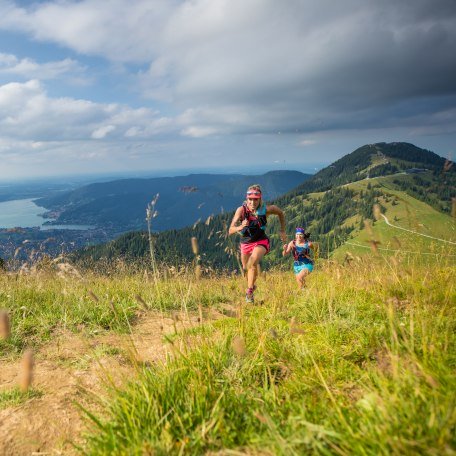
120	204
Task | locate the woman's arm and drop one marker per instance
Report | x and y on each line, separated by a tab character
287	248
277	211
234	227
314	246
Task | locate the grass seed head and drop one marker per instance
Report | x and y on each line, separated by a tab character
396	242
261	418
347	260
295	328
66	269
195	246
238	345
376	211
447	165
5	327
198	271
368	227
141	301
94	296
27	366
374	246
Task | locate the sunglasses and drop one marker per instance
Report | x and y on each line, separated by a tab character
254	193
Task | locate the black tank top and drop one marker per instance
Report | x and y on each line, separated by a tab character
254	232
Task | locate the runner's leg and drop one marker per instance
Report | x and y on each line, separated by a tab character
245	261
301	277
252	270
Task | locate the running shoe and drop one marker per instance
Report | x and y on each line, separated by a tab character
249	295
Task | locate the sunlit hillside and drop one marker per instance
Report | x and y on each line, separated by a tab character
413	187
402	225
361	362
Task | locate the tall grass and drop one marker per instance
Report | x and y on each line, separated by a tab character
43	305
361	363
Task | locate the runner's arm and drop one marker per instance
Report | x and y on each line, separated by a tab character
277	211
314	246
234	227
287	248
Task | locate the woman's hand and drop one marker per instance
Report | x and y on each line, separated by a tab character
244	224
234	227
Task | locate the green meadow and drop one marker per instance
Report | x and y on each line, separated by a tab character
419	232
362	361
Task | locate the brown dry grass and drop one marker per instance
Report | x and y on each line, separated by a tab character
71	370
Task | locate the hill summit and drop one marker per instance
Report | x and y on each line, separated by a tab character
373	160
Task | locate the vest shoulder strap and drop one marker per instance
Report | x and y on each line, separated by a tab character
262	210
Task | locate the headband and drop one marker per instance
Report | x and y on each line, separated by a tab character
255	194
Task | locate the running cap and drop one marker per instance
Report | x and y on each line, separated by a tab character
253	194
300	230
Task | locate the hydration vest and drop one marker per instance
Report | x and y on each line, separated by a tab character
255	230
301	253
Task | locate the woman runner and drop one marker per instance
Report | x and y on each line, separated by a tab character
250	221
300	248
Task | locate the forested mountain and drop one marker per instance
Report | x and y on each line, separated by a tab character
325	204
372	160
183	199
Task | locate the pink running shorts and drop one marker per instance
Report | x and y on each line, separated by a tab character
247	249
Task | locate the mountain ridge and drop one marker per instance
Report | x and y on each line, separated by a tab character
122	203
331	217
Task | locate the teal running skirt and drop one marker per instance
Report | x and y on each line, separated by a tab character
298	267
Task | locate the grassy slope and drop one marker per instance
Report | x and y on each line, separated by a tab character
410	214
44	304
362	363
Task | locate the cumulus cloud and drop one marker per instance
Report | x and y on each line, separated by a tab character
28	68
198	132
307	142
286	65
231	67
27	112
119	30
102	132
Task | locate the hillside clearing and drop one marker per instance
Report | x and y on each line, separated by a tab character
76	369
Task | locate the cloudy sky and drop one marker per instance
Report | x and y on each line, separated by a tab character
93	86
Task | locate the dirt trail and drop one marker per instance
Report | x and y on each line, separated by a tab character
76	368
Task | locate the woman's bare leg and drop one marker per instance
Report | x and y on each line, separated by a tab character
245	257
252	267
301	278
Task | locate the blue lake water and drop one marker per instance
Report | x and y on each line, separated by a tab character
24	213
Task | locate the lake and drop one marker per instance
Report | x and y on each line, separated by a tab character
24	213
